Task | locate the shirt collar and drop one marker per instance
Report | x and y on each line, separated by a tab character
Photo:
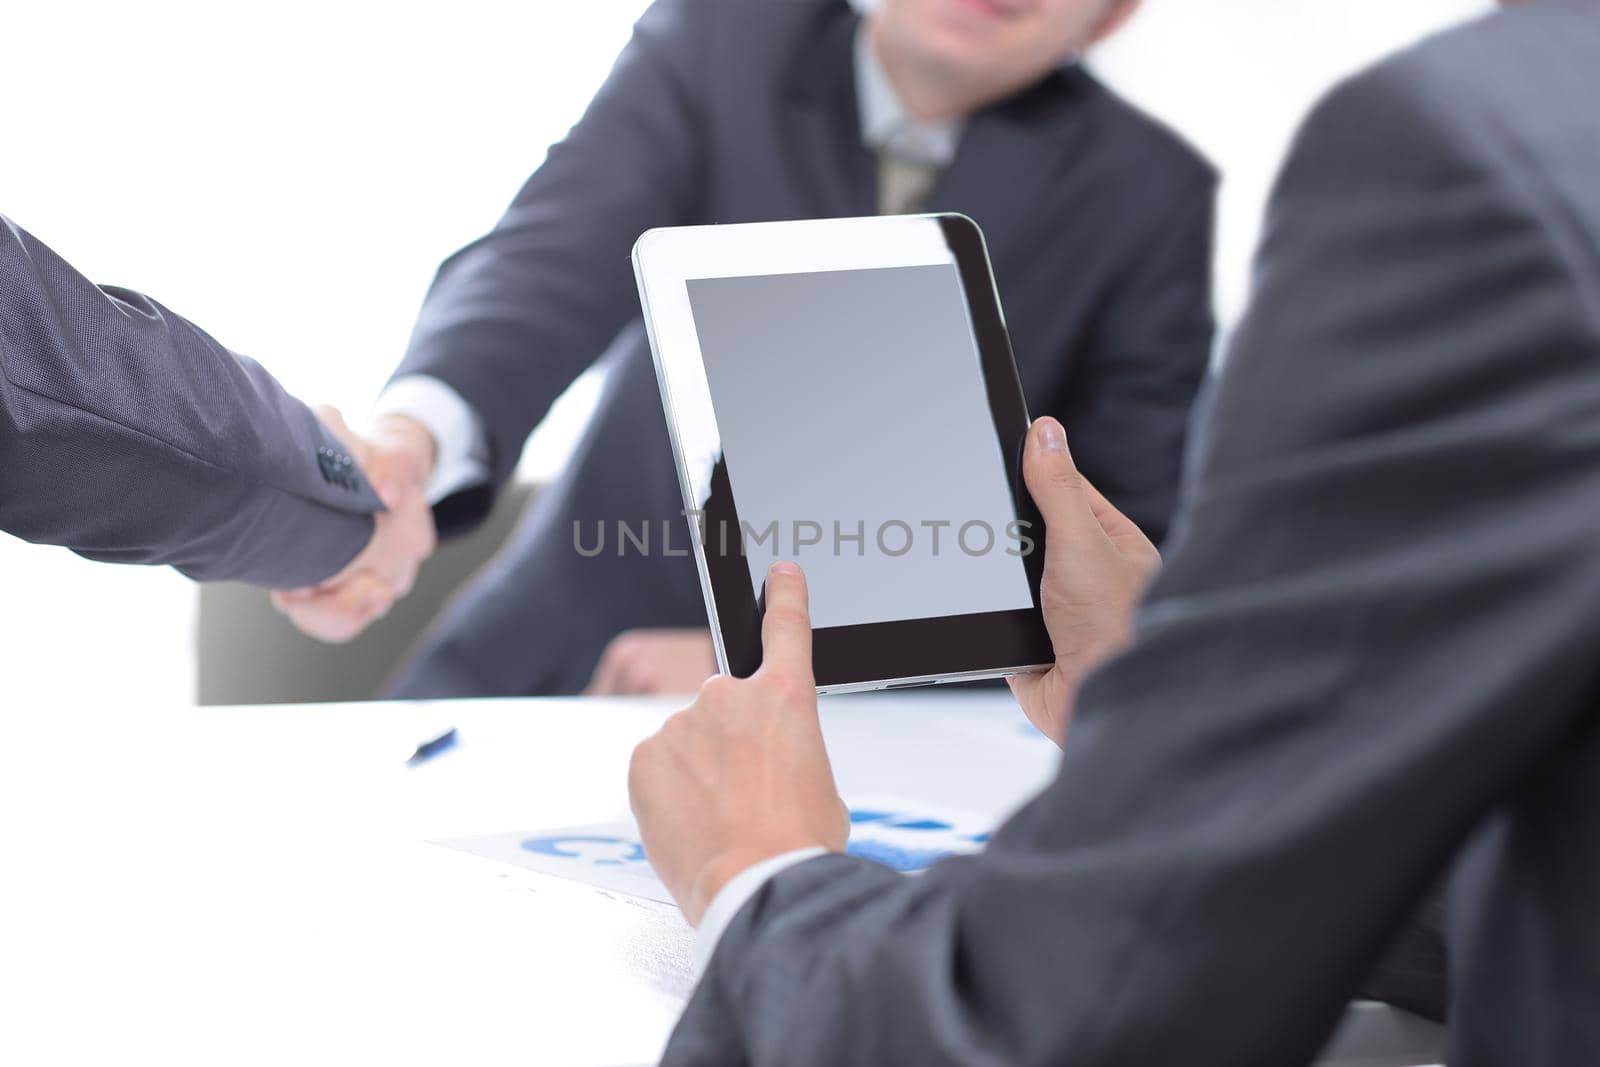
886	124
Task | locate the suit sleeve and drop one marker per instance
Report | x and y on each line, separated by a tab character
129	435
1129	402
1376	619
513	318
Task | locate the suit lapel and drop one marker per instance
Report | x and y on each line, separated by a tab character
1009	159
822	134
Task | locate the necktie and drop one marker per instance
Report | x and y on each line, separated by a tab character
903	187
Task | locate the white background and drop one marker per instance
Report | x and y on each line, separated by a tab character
290	174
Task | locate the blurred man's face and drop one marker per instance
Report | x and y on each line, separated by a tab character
1010	42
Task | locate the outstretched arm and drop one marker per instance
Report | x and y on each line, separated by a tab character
129	435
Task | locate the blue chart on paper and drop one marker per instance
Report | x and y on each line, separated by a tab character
898	857
599	851
900	840
907	843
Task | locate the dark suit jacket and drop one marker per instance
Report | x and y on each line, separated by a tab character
722	111
130	436
1369	662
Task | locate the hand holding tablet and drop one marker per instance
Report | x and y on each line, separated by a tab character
842	393
742	774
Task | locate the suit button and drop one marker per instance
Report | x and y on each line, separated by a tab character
338	469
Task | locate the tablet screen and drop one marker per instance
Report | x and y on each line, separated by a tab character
859	441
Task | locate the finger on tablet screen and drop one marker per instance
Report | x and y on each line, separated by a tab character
786	626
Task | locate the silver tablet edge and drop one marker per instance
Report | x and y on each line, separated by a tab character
685	483
931	679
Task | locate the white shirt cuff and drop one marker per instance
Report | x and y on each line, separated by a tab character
733	896
462	444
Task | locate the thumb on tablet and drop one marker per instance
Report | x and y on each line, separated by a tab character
1058	488
1076	515
786	626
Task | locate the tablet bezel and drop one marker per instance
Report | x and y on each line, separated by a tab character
846	658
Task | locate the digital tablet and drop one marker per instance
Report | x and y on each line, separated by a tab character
842	393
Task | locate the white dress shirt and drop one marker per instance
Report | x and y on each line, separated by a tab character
887	127
461	443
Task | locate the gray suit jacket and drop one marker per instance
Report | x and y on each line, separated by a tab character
1369	663
721	111
130	436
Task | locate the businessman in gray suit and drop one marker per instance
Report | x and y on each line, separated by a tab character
720	111
1368	664
130	436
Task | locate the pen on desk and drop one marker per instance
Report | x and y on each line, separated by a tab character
429	749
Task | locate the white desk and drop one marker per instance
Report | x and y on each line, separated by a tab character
206	886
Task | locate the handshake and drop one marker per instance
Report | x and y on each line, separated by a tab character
398	458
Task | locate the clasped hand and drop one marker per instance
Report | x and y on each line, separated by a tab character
396	459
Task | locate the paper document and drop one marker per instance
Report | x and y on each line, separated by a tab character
903	835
